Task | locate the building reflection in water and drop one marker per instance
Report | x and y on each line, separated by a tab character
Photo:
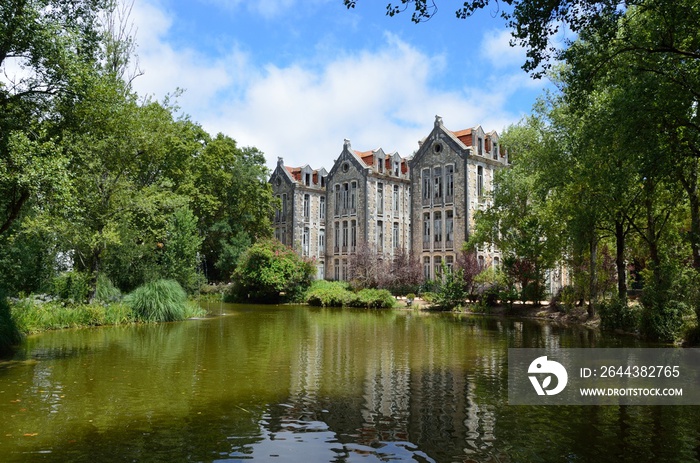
416	390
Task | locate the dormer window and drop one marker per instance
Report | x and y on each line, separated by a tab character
397	168
480	146
307	179
495	150
380	165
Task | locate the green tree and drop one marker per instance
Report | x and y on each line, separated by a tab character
269	272
536	25
181	247
520	221
233	201
52	45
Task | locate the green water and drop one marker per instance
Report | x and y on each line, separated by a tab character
313	385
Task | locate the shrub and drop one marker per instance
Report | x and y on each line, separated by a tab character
105	291
565	299
71	286
663	322
615	314
328	294
159	301
666	301
451	293
10	335
270	272
373	299
338	294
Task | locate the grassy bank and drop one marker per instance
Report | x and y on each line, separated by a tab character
158	301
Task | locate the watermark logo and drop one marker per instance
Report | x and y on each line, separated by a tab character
541	366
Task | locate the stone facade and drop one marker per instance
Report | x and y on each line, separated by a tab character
424	205
451	177
368	204
300	222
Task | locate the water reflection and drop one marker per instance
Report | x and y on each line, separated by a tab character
300	384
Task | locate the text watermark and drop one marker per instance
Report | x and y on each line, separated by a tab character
606	376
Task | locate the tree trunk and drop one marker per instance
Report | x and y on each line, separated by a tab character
620	260
594	276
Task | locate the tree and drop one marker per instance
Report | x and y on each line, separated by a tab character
405	274
521	222
535	25
233	201
52	45
181	246
270	272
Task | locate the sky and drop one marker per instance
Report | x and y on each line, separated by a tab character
294	78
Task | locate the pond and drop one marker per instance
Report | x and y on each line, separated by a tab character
288	383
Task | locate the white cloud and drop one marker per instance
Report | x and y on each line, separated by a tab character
496	49
385	98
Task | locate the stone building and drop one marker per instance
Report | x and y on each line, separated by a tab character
300	222
368	204
451	177
424	205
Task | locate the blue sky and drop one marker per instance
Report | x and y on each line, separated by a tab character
295	77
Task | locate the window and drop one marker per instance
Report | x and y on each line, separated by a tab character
336	240
278	211
482	264
496	263
322	208
438	267
283	237
345	275
426	229
480	181
437	183
307	207
345	235
380	198
425	175
346	197
449	182
380	235
396	198
321	242
277	234
397	168
336	269
495	150
353	196
395	235
480	146
449	263
284	207
337	201
380	164
437	230
305	242
449	227
353	235
426	268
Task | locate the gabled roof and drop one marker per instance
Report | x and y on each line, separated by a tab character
463	140
295	174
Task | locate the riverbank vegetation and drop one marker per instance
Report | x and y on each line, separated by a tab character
340	294
604	181
100	184
103	191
